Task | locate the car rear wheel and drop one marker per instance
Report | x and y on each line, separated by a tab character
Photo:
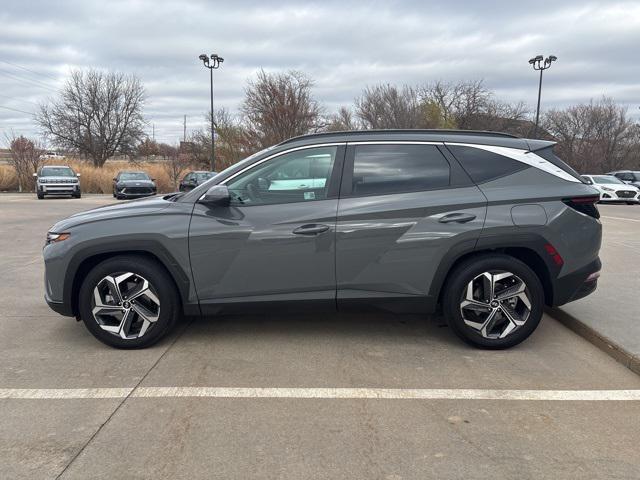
129	302
493	301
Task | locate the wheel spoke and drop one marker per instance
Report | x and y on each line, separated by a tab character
488	324
512	291
123	302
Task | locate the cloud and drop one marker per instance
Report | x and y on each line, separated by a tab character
343	45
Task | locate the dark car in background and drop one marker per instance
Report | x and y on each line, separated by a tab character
627	176
192	179
133	185
57	180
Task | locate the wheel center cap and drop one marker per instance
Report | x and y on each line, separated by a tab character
126	304
495	304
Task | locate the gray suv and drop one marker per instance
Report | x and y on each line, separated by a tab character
487	226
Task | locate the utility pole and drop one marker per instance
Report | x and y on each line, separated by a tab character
184	128
153	132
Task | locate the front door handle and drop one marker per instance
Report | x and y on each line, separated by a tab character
311	229
457	218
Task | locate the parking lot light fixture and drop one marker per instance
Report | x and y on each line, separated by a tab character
540	63
212	62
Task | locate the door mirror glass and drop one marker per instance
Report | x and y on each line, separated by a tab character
217	195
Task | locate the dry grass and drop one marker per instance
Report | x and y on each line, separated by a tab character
96	180
8	179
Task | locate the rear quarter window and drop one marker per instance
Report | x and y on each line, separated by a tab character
483	166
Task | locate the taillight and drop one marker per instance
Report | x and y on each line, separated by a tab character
553	253
586	205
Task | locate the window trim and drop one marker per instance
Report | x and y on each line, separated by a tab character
346	186
334	177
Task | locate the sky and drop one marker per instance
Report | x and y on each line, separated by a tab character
343	45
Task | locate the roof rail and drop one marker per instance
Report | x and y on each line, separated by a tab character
483	133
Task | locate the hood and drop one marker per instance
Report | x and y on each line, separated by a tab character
618	186
58	179
137	183
143	206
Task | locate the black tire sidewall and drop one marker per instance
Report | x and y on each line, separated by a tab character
459	280
156	275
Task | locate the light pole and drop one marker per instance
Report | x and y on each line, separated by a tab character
212	63
540	63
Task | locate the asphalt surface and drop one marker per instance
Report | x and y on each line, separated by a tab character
612	311
121	424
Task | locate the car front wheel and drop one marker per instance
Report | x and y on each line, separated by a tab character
129	302
493	301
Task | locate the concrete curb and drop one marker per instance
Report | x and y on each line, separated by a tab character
629	360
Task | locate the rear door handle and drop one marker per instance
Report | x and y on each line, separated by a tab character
457	218
311	229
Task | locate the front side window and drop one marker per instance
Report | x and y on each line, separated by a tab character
299	176
387	169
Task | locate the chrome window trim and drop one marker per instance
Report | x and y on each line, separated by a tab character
395	142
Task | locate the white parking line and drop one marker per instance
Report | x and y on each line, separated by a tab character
622	218
322	393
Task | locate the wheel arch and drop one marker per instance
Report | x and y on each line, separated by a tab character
530	252
84	261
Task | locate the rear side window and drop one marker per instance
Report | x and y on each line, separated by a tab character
483	166
386	169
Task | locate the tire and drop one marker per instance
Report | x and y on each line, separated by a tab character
40	196
114	194
511	317
631	203
77	195
160	287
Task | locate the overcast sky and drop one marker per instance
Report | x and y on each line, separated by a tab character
344	45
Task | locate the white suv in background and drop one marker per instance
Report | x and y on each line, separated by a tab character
57	180
612	189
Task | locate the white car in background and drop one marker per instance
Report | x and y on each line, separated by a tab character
612	189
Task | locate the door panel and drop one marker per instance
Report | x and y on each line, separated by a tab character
253	252
393	244
276	241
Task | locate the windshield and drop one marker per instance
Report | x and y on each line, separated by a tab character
57	172
134	176
201	177
603	179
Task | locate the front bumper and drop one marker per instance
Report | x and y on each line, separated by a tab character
58	188
615	197
136	192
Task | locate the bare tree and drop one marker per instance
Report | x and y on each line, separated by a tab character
389	106
147	148
278	106
26	159
342	121
175	163
97	114
595	137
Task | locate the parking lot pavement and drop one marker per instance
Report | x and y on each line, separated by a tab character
307	386
612	313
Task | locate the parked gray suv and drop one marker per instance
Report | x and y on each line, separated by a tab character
488	226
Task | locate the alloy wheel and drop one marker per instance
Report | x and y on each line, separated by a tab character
495	304
125	304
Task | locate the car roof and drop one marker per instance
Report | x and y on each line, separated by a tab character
479	137
55	166
132	171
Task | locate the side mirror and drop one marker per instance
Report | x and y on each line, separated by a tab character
78	174
217	195
35	174
115	179
153	179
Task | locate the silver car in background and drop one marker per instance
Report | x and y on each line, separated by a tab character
57	180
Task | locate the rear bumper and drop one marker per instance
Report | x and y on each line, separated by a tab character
576	285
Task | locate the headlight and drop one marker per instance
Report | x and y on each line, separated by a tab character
57	237
42	180
607	189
